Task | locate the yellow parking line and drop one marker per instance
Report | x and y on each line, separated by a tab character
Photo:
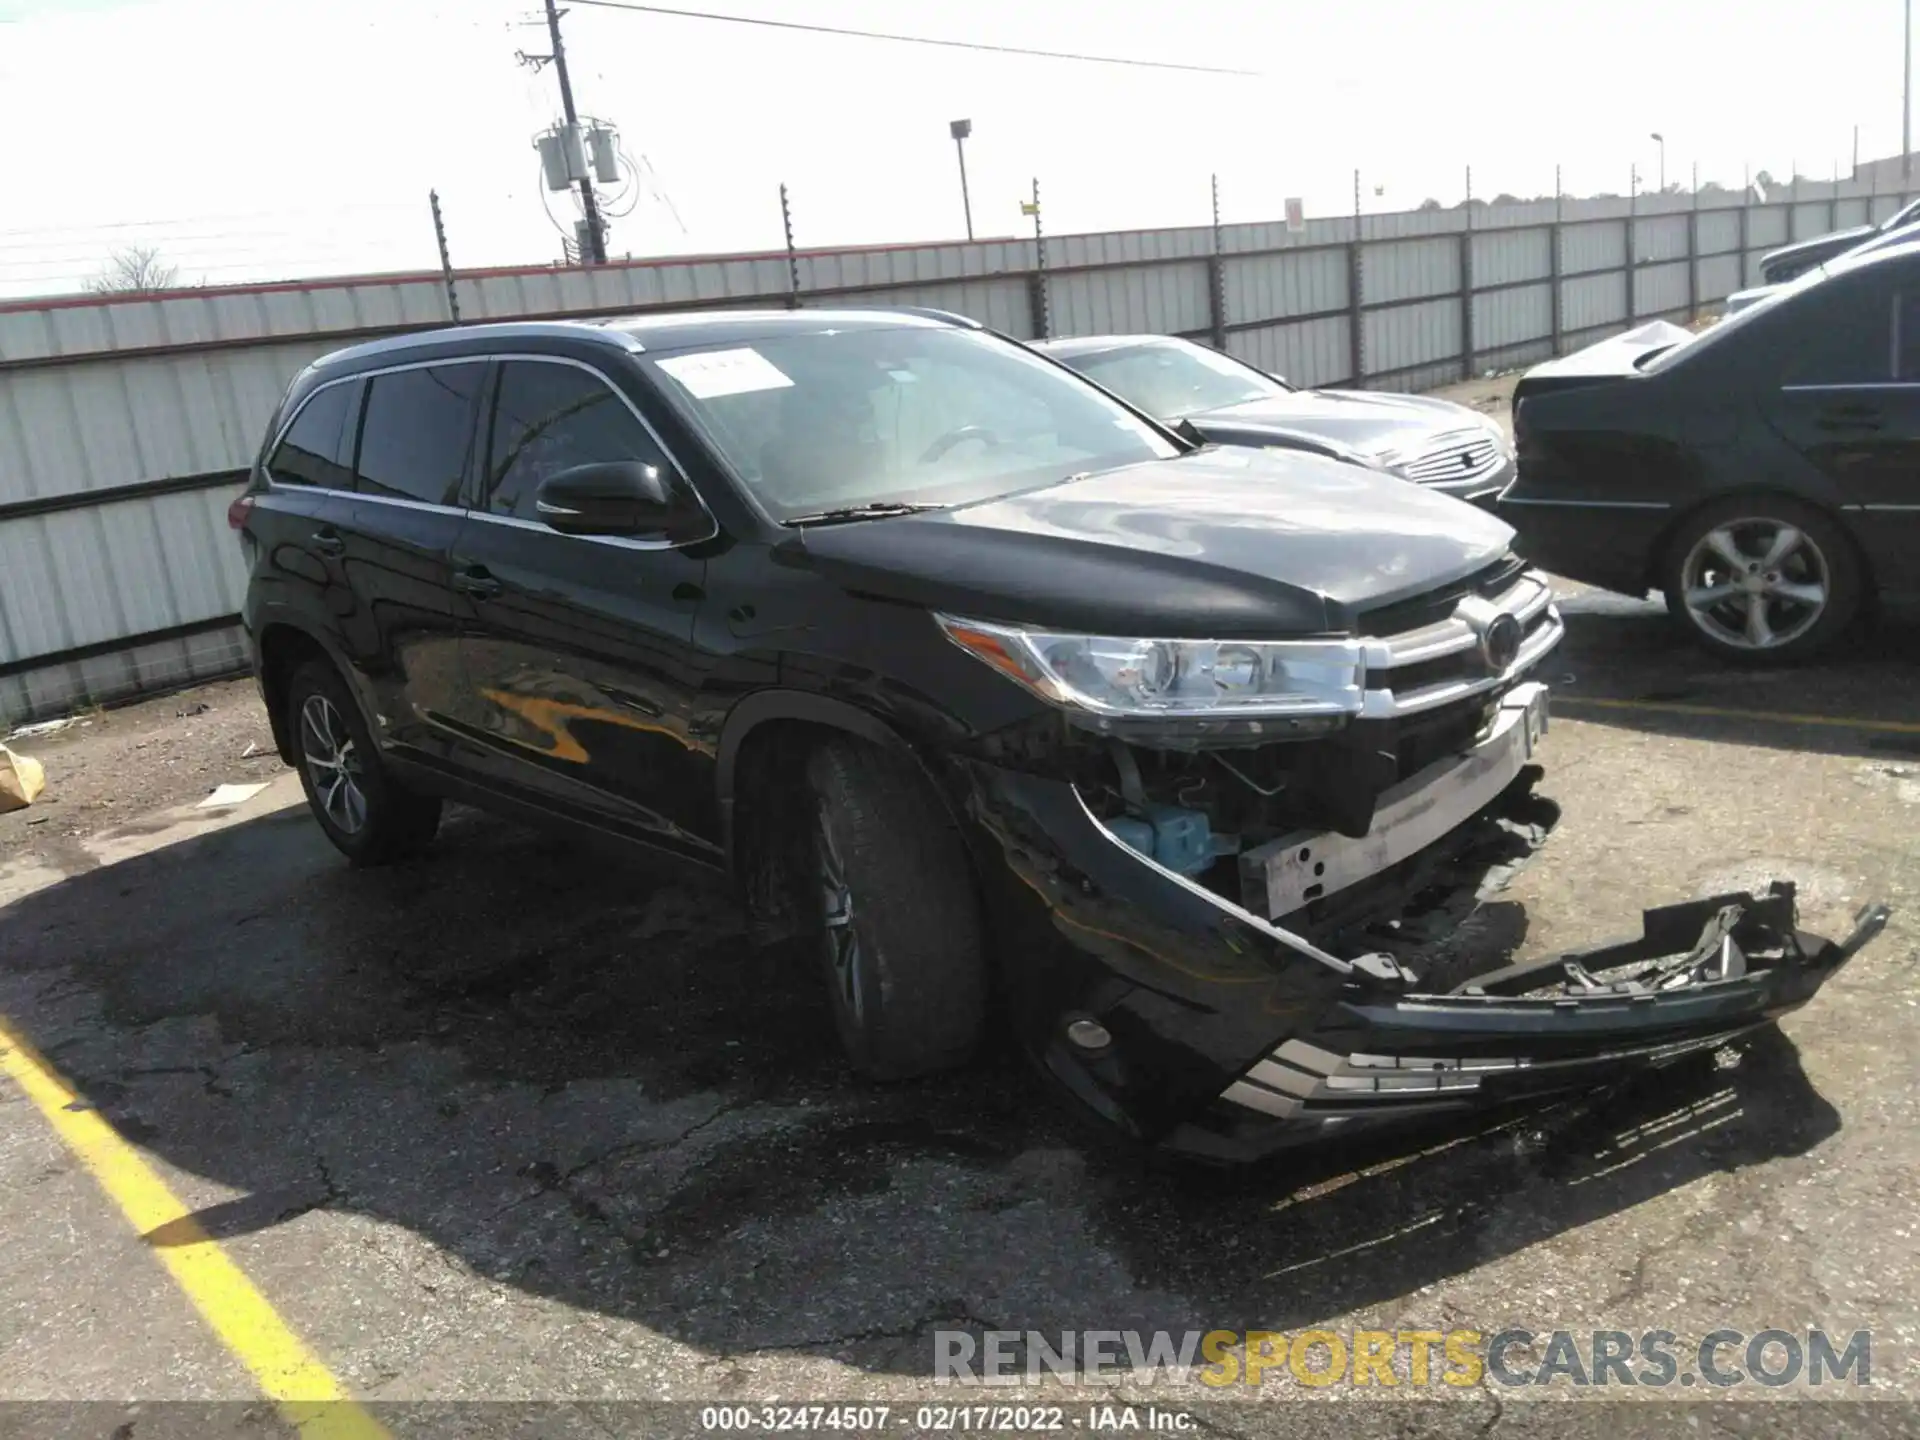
306	1392
1777	717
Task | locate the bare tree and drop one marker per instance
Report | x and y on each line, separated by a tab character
137	270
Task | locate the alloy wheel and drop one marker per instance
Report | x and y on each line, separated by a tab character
1755	584
844	950
333	764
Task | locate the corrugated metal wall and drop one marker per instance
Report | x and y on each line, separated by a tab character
126	423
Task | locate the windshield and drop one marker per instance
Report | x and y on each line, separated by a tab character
1171	379
915	415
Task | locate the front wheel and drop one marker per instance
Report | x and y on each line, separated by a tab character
1764	580
901	934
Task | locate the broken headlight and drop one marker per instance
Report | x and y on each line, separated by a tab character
1106	681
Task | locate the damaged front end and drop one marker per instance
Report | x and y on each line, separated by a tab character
1198	1026
1217	927
1204	934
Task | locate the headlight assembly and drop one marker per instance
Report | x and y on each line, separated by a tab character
1112	683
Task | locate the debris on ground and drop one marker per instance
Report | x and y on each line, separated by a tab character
44	727
21	780
226	796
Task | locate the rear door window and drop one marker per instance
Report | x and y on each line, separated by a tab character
547	418
317	448
417	431
1840	335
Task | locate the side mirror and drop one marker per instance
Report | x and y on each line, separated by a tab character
620	497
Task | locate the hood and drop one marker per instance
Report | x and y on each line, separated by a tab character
1224	542
1611	359
1366	423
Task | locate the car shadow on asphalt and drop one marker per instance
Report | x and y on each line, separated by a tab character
1623	665
574	1078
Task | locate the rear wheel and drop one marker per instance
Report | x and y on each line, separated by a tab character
370	817
1764	580
902	939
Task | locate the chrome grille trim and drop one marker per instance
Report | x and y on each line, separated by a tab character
1529	600
1457	456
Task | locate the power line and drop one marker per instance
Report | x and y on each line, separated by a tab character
911	39
357	207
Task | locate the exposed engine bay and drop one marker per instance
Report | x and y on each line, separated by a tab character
1279	829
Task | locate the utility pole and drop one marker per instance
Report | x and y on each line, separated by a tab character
1906	99
596	240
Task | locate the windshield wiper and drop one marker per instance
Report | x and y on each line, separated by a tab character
872	510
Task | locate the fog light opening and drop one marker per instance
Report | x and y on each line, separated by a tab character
1088	1034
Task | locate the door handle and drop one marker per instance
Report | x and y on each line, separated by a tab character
328	542
476	582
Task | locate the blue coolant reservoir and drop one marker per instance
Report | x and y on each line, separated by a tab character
1181	840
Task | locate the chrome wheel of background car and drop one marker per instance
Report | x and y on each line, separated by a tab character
333	762
1755	583
844	952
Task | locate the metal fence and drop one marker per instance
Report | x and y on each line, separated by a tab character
127	422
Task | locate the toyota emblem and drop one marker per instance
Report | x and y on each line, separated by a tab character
1500	643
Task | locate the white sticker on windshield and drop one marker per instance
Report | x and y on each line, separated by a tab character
725	372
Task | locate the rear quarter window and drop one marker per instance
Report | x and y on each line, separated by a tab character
317	447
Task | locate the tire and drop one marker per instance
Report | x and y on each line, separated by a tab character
1793	625
902	943
370	817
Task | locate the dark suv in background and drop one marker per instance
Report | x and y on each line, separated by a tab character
981	679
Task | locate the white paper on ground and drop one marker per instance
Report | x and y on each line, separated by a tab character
228	795
725	372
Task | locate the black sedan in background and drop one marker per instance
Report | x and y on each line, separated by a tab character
1764	474
1224	401
1790	262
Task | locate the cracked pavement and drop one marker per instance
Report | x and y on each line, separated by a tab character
521	1122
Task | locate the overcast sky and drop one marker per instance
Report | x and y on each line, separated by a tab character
255	139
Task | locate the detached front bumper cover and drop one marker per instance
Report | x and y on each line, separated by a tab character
1698	975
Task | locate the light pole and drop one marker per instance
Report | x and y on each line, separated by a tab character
1661	141
960	130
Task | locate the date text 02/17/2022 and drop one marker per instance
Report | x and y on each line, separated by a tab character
947	1419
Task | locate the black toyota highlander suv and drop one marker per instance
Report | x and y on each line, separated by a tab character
982	679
